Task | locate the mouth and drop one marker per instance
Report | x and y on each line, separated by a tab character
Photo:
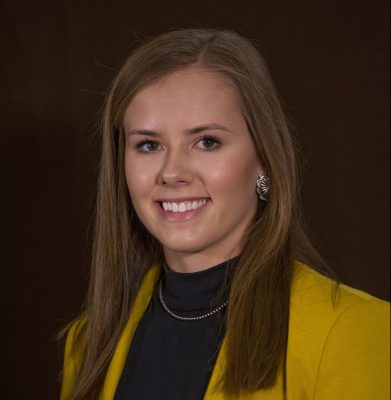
183	208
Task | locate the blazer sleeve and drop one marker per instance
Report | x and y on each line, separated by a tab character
71	361
355	363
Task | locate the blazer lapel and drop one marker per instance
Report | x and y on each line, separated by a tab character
121	352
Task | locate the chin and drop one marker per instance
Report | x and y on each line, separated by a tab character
183	246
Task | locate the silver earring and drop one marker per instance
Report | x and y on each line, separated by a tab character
263	187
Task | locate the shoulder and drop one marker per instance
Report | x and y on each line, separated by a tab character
318	302
337	332
74	340
311	289
72	356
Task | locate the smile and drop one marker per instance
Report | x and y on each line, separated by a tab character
183	206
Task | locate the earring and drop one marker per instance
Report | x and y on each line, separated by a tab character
263	187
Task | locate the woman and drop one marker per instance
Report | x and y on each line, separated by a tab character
196	289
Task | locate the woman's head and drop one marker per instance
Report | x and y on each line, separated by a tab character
189	181
224	77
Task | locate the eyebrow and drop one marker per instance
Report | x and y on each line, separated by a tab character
197	129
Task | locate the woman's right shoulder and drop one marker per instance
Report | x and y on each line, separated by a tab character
72	355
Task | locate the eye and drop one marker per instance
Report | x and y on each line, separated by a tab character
147	146
208	143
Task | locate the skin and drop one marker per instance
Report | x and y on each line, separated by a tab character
186	139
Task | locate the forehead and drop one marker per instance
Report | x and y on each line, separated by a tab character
190	93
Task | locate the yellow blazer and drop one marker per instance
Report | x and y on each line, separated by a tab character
334	352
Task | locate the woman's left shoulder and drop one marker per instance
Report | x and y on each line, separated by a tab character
311	289
339	337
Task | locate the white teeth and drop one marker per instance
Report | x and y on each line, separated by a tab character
182	206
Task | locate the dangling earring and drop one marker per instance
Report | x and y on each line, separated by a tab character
263	187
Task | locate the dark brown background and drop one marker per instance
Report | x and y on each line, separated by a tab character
330	63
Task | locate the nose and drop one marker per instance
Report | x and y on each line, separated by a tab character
176	169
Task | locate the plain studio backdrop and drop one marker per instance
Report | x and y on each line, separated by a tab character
330	63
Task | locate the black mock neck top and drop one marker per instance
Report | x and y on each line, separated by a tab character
170	358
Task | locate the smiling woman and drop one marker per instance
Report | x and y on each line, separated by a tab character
203	282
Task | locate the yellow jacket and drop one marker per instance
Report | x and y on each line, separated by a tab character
334	352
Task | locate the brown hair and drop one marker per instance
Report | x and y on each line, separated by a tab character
123	251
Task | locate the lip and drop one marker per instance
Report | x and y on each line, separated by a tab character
189	215
181	199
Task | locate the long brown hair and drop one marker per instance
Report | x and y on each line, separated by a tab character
123	251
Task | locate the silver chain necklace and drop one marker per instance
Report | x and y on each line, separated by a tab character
164	305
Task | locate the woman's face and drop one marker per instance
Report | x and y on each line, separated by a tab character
191	167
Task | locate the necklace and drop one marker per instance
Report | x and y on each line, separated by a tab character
164	305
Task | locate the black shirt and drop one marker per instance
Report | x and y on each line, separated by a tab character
170	358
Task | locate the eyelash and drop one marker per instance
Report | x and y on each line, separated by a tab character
217	143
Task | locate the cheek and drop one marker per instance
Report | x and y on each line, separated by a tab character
139	180
234	176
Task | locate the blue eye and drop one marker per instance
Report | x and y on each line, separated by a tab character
208	143
147	146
